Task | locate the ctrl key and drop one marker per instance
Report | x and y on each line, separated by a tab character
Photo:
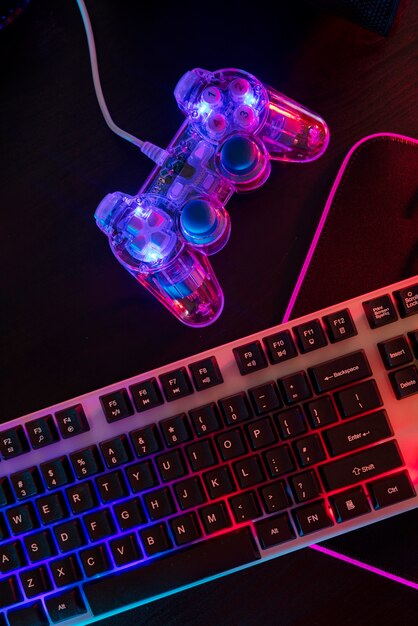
391	489
65	605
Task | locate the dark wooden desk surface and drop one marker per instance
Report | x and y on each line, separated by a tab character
73	320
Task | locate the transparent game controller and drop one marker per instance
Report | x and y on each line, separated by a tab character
234	127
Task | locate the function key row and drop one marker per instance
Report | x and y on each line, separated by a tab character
43	431
282	345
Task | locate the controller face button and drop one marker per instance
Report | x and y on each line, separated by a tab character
216	124
198	221
211	95
244	116
239	88
239	155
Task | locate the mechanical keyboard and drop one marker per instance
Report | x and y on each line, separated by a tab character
211	464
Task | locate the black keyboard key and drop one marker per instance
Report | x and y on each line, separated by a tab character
340	371
56	473
176	429
309	450
51	508
358	433
275	496
361	466
39	546
349	504
413	338
189	492
391	489
146	394
206	373
201	455
11	556
201	560
65	605
13	442
405	382
125	550
261	433
185	529
155	539
312	517
295	388
116	405
250	357
95	560
72	421
305	486
171	465
274	530
279	461
235	409
69	535
380	311
81	497
35	581
358	399
215	517
291	423
265	398
280	347
9	592
159	503
116	451
176	384
99	524
129	514
321	412
310	336
146	440
29	615
219	482
340	325
41	432
407	300
141	476
249	472
231	444
111	486
26	483
65	571
22	518
245	507
395	352
205	419
6	496
86	462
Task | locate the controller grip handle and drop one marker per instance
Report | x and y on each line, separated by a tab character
187	287
291	132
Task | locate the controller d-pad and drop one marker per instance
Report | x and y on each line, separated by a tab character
152	236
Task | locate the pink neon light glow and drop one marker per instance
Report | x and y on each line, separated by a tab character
288	313
324	216
366	566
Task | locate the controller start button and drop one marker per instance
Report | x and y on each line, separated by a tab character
239	155
199	221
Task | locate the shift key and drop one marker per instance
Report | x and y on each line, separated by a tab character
361	466
341	371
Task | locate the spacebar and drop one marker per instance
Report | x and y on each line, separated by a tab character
181	568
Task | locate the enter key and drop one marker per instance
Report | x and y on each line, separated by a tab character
358	433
